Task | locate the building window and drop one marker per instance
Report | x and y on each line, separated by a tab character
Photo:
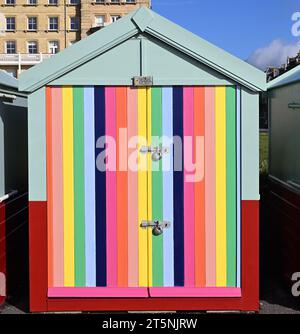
99	21
10	2
74	23
32	23
115	18
100	1
32	47
130	1
73	2
53	47
52	2
10	47
115	1
32	2
53	23
11	23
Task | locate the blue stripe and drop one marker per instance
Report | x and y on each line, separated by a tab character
89	175
238	183
167	120
100	183
178	189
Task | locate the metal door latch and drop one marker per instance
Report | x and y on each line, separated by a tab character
157	152
157	226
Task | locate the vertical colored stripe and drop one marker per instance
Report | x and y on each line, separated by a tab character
238	186
57	178
142	187
149	185
231	185
122	228
157	188
210	187
133	228
89	184
168	236
100	190
79	215
178	187
199	134
68	181
111	186
49	188
221	264
189	190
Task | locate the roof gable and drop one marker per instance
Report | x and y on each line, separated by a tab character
286	78
147	22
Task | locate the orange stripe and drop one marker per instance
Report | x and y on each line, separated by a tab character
199	130
122	207
49	185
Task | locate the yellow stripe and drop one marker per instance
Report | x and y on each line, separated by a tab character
68	185
149	138
221	187
142	187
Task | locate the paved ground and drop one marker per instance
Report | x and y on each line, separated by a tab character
276	300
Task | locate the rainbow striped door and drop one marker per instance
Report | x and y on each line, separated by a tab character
101	186
195	187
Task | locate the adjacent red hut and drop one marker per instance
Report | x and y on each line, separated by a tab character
13	183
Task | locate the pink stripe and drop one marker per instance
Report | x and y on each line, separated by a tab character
111	186
189	190
57	178
98	292
210	181
196	292
133	244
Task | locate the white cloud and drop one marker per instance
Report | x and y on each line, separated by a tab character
274	54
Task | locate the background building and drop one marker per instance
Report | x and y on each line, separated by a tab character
33	30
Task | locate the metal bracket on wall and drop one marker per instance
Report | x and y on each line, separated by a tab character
294	105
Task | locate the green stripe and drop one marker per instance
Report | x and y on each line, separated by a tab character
79	228
231	185
157	188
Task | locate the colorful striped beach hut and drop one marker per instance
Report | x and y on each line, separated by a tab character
143	173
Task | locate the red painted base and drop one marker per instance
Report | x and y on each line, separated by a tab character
2	246
284	207
39	302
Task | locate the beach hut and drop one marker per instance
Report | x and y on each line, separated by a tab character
143	173
284	171
13	171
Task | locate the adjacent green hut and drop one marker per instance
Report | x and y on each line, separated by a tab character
284	171
143	172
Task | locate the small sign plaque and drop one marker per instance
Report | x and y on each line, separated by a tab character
143	81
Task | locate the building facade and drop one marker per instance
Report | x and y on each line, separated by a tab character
33	30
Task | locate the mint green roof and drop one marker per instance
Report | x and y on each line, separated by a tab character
143	21
286	78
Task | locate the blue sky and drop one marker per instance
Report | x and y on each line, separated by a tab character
255	30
